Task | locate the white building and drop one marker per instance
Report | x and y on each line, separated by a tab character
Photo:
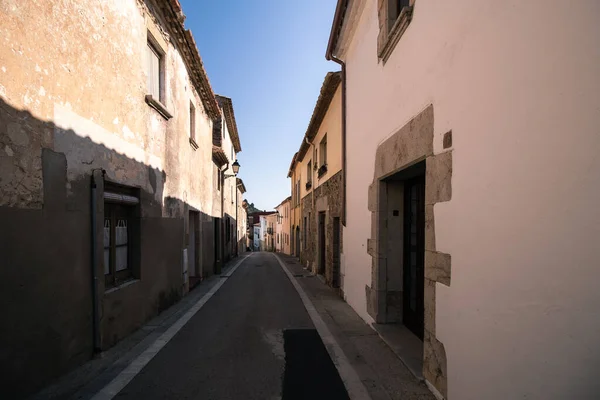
257	236
484	115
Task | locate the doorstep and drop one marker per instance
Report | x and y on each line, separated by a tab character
404	343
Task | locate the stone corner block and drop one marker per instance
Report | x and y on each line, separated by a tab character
435	363
375	304
429	228
429	302
439	178
437	267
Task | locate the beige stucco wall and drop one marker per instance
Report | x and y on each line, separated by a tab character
61	79
332	127
517	83
283	226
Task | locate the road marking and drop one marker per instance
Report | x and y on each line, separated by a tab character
354	386
121	380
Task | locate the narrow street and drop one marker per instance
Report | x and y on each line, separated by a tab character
252	340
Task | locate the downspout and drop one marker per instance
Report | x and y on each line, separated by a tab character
343	65
94	265
221	230
237	243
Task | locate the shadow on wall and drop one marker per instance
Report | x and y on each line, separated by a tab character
46	249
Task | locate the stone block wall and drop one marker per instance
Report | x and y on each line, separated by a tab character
328	199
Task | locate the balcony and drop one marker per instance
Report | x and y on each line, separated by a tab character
308	185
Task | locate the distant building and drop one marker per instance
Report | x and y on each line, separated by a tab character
283	226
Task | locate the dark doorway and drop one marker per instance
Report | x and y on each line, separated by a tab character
414	254
335	275
193	248
297	241
321	244
217	237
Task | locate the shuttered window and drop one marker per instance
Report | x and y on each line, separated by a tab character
154	72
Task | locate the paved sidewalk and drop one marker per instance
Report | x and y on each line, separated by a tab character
88	379
380	370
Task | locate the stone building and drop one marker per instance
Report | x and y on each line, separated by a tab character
471	152
227	140
317	167
109	184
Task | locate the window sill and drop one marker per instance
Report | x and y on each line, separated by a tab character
121	286
398	29
158	106
193	144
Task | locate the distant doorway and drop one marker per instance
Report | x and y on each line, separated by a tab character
335	274
321	244
217	245
193	248
297	241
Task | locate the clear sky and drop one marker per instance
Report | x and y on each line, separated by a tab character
269	57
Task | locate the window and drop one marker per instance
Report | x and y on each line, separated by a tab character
192	121
394	17
323	159
309	175
323	151
155	71
120	239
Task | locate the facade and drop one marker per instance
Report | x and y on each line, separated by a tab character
241	218
283	226
318	164
271	237
295	175
110	152
256	236
469	188
229	143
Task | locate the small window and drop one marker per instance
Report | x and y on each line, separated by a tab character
323	160
308	175
155	59
323	151
192	121
394	17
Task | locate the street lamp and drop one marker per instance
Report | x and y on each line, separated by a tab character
235	167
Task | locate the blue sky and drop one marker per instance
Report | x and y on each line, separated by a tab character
269	57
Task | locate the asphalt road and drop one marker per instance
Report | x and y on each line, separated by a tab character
252	340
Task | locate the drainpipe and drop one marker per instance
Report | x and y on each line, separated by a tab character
94	266
343	65
221	230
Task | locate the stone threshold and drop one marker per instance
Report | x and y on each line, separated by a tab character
407	347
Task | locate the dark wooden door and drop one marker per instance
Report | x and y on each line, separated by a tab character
414	254
335	278
322	247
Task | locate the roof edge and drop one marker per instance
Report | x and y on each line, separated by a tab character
336	27
227	105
